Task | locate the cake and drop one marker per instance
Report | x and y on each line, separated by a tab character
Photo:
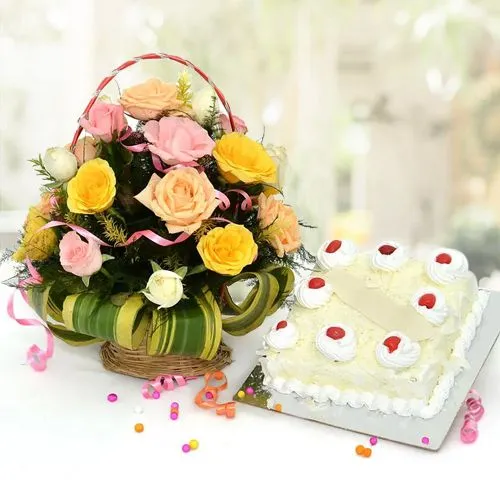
379	329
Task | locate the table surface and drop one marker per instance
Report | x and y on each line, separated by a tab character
61	438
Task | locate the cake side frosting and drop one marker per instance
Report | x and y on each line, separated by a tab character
365	364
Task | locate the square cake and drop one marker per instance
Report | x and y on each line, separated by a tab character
378	329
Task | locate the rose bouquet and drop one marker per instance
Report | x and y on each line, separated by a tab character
145	223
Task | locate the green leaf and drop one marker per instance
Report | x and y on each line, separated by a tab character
200	268
155	266
263	298
181	271
86	280
273	286
105	258
88	314
191	328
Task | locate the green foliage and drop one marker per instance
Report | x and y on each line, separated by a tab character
211	123
41	171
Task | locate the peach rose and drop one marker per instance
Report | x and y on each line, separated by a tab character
47	204
184	198
79	257
105	121
279	224
85	149
239	124
178	140
149	100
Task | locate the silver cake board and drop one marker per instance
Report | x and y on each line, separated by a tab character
405	430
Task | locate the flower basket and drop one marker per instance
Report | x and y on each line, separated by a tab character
145	223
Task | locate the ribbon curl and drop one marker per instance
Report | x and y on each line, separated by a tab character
37	358
215	382
163	383
475	412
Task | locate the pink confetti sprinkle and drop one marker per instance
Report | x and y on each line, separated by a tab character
156	395
112	397
209	395
373	440
425	440
174	405
250	391
186	448
174	416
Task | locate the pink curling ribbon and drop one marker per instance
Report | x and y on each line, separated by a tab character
146	233
37	358
246	204
163	383
475	412
224	202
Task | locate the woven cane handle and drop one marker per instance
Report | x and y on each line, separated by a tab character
144	57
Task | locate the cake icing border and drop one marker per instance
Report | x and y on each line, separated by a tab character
380	402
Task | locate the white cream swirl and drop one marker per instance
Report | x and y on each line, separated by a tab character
431	304
336	347
382	259
312	298
402	355
283	335
336	253
447	266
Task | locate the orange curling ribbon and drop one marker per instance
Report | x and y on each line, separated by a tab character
215	382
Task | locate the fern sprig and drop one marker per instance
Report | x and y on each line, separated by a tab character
41	170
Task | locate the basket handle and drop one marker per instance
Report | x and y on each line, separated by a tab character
144	57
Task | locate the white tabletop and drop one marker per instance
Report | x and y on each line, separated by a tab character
61	438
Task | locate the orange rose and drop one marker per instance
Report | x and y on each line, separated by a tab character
279	224
149	100
85	149
184	198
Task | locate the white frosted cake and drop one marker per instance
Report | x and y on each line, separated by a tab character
377	329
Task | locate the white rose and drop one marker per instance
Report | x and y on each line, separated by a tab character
60	163
279	156
202	102
164	288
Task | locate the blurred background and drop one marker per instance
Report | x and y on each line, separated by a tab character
389	109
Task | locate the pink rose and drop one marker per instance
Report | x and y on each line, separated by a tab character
239	124
178	140
79	257
105	121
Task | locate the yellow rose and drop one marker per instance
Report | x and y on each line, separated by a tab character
227	250
36	245
242	159
93	188
149	100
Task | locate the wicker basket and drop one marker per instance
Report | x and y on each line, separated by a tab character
141	365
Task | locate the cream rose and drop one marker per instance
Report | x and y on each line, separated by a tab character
149	100
60	163
184	198
202	102
164	288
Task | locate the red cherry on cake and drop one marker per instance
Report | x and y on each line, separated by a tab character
333	246
443	258
335	332
316	283
392	343
387	249
427	300
281	324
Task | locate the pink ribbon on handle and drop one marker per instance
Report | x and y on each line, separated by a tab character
163	383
